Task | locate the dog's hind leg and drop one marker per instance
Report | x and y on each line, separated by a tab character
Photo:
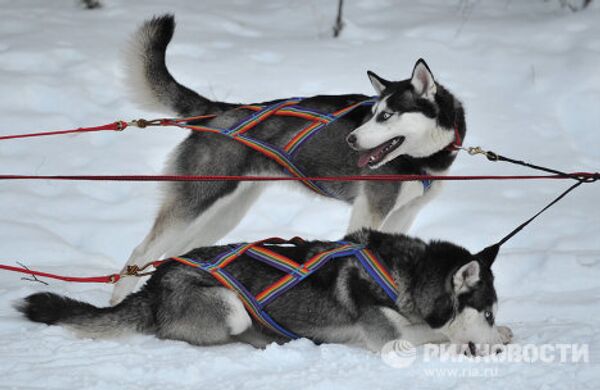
217	220
179	228
167	227
202	315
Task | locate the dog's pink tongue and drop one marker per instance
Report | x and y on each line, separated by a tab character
373	155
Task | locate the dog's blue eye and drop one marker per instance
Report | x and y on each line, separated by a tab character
385	115
489	316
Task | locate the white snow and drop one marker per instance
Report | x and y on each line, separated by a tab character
527	72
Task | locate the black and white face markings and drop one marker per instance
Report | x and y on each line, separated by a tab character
473	322
404	120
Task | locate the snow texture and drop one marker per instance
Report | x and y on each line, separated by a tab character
527	72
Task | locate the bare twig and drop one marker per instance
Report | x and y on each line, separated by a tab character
33	277
91	4
467	10
339	23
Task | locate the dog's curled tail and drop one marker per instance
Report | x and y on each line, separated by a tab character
131	315
148	78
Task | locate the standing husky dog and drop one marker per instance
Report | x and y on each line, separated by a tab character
407	131
444	294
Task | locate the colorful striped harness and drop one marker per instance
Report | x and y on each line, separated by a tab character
282	155
295	273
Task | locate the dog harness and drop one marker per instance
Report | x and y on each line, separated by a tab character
284	156
295	273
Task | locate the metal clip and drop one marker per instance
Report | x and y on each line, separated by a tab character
143	123
474	150
134	270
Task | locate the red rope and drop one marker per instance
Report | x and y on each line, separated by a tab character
115	126
136	271
121	125
92	279
161	178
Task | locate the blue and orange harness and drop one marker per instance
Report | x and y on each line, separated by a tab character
284	156
295	273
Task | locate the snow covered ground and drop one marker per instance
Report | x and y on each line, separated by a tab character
527	72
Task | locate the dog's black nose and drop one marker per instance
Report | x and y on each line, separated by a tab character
351	139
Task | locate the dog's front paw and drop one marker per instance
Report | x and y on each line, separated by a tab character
506	335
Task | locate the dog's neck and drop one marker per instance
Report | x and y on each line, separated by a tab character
452	117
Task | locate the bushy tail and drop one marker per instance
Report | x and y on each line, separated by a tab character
149	80
133	314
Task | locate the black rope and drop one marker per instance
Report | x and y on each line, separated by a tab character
492	156
497	157
522	226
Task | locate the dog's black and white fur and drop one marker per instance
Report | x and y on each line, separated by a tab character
406	132
445	293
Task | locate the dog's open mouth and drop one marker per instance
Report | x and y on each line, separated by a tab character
373	156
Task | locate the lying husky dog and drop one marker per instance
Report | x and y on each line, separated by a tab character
444	293
408	131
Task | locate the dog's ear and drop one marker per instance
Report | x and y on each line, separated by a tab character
422	80
377	82
466	277
488	255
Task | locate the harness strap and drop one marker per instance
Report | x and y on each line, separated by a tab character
295	273
271	292
258	117
426	184
378	272
283	159
312	129
281	155
303	135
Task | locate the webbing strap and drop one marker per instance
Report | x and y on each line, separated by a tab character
312	129
426	184
273	291
378	272
282	156
283	159
302	136
259	116
276	260
295	273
